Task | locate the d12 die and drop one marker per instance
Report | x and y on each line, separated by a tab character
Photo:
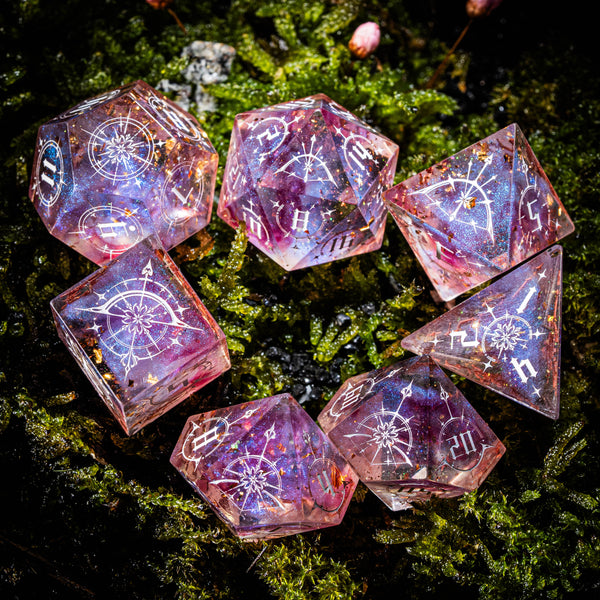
306	177
140	334
507	336
478	213
410	434
121	166
265	468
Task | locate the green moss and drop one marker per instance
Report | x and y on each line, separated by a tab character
93	512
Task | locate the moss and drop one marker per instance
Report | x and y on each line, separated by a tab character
96	514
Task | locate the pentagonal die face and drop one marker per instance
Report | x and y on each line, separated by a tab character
306	177
265	468
119	167
410	434
140	334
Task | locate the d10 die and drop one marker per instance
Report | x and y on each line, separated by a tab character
140	334
265	468
121	166
410	434
306	177
478	213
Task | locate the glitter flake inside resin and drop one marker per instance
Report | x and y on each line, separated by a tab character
119	167
410	434
265	468
306	177
140	334
478	213
507	336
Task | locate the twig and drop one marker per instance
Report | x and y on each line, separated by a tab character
444	62
181	25
52	569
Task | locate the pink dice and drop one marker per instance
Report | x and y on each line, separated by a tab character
410	434
265	468
306	177
121	166
140	334
479	213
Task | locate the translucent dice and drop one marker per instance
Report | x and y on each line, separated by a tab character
410	434
306	177
140	334
478	213
265	468
121	166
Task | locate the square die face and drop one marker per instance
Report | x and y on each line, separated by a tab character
145	334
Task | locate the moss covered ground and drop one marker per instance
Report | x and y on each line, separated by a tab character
87	512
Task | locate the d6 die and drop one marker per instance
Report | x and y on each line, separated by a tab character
141	334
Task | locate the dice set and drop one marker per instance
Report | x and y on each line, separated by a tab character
125	176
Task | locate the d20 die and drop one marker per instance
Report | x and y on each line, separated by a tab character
410	434
507	336
265	468
306	177
121	166
478	213
140	334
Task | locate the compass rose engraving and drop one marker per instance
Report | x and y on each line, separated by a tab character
385	437
252	480
469	194
139	319
120	149
309	165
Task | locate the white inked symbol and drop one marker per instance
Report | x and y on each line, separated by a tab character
253	481
208	435
270	133
110	229
181	194
309	165
462	444
50	170
254	222
385	437
469	196
505	334
120	149
90	103
172	116
358	152
533	207
140	320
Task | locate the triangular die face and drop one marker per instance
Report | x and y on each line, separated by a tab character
506	337
264	135
539	217
452	268
466	196
309	164
363	153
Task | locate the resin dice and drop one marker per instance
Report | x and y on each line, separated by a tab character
507	336
306	177
410	434
140	334
119	167
265	468
478	213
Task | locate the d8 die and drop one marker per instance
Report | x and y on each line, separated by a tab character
141	334
410	434
121	166
306	177
265	468
479	213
